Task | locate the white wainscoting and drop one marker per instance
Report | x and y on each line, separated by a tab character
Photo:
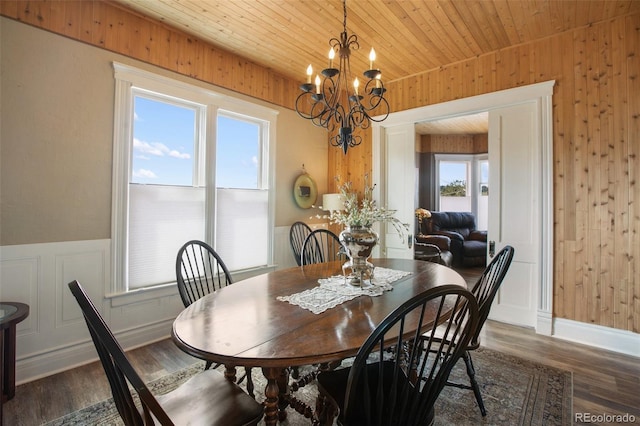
54	336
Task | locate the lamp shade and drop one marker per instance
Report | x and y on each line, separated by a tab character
332	202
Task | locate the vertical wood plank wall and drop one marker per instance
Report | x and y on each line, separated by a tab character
596	119
454	144
596	148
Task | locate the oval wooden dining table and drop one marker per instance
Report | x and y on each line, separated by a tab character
244	324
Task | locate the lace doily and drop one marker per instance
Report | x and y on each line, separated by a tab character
334	290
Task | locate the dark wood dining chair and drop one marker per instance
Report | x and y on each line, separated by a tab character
321	246
200	271
392	380
206	398
485	291
297	234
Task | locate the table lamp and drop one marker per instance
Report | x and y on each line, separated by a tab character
332	202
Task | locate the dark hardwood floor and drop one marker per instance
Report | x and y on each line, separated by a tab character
604	382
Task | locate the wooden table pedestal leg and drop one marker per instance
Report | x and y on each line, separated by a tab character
230	373
277	386
283	391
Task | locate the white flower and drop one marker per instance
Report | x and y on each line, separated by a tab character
364	212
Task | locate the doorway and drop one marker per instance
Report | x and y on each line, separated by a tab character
539	98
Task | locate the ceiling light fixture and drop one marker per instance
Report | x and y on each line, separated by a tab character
328	103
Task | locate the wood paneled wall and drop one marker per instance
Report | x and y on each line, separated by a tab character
110	27
596	119
596	149
454	144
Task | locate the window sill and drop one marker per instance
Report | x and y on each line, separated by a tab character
171	289
143	294
251	272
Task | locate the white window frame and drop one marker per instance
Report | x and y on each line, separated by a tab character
126	79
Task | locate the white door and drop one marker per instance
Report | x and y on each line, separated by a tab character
398	189
514	208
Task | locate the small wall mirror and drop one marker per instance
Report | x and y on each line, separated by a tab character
305	191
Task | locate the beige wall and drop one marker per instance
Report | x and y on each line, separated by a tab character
56	140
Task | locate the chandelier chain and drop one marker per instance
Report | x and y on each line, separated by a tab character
344	21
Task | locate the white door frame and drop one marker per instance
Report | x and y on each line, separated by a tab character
541	94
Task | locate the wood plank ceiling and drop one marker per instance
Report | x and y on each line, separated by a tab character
409	36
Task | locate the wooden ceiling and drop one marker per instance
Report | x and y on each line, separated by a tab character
409	36
473	124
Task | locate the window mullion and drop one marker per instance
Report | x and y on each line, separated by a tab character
209	156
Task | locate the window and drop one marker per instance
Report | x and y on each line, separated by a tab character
241	193
482	213
188	164
166	186
453	185
463	184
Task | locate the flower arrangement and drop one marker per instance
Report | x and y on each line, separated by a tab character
422	214
362	213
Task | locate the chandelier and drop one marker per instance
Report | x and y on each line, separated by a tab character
335	104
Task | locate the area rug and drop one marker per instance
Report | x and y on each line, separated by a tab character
515	392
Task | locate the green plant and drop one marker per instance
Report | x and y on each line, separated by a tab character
457	188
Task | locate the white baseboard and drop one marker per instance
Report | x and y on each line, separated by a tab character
544	323
611	339
79	353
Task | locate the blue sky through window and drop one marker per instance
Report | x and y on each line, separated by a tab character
451	171
484	171
237	151
163	143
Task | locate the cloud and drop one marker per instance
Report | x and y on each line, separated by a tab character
254	160
181	155
158	149
144	173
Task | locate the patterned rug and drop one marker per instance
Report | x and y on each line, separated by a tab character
515	392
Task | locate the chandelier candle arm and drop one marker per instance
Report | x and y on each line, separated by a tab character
332	106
